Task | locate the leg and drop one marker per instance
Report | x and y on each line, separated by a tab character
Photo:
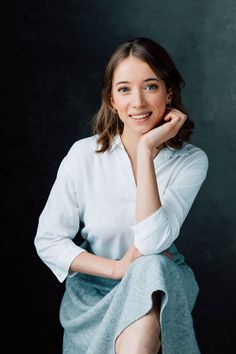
142	336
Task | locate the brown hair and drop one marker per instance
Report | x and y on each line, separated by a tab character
106	122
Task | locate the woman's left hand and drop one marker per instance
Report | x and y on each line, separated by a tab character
122	265
174	119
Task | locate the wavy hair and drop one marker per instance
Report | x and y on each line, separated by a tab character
106	123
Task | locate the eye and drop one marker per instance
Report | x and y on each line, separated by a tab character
123	89
151	87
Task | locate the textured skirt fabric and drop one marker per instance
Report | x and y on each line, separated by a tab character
95	310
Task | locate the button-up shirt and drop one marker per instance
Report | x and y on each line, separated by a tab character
96	194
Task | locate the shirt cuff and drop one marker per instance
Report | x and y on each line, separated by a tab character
152	235
65	259
150	224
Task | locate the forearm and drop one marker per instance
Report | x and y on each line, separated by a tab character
147	198
95	265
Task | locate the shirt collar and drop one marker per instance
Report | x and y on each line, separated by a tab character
117	143
165	154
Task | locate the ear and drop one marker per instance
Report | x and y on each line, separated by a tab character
169	96
113	107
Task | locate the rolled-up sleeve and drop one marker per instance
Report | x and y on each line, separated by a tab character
158	231
58	224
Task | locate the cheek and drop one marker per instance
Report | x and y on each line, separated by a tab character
160	102
121	105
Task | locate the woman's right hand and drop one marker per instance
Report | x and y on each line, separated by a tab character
123	264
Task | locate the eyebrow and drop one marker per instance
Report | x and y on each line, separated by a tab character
147	80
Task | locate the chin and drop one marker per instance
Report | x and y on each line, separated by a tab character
142	131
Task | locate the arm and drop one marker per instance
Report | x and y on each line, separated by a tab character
108	268
59	223
148	199
158	221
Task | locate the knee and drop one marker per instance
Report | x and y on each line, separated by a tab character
154	260
141	336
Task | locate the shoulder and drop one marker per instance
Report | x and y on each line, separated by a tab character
195	152
81	152
83	148
194	156
84	145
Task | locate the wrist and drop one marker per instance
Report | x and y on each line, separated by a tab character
143	149
116	270
145	153
147	148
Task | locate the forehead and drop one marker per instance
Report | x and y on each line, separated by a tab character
133	68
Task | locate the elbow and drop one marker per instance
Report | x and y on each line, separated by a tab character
39	247
156	233
44	246
156	242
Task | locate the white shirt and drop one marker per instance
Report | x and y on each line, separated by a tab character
99	191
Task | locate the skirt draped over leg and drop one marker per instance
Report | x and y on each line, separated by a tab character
95	310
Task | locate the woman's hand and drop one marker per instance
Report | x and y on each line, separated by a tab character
174	119
123	264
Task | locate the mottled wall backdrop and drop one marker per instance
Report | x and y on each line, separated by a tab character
56	52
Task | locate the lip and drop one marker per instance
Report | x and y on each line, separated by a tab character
140	114
141	120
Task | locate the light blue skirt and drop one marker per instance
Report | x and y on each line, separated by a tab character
95	310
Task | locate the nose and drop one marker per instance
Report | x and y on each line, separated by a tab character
138	99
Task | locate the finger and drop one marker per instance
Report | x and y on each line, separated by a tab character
167	117
176	111
177	119
168	254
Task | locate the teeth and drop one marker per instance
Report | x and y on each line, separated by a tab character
140	116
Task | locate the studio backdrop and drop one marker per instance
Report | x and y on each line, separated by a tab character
56	54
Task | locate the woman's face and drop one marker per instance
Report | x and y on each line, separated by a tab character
138	95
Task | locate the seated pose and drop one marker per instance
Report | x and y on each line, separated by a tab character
127	188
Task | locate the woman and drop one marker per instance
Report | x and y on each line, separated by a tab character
128	188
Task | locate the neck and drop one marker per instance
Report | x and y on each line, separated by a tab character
130	143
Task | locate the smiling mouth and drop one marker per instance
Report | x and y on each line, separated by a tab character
140	116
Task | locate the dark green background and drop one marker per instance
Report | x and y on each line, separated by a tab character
55	54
